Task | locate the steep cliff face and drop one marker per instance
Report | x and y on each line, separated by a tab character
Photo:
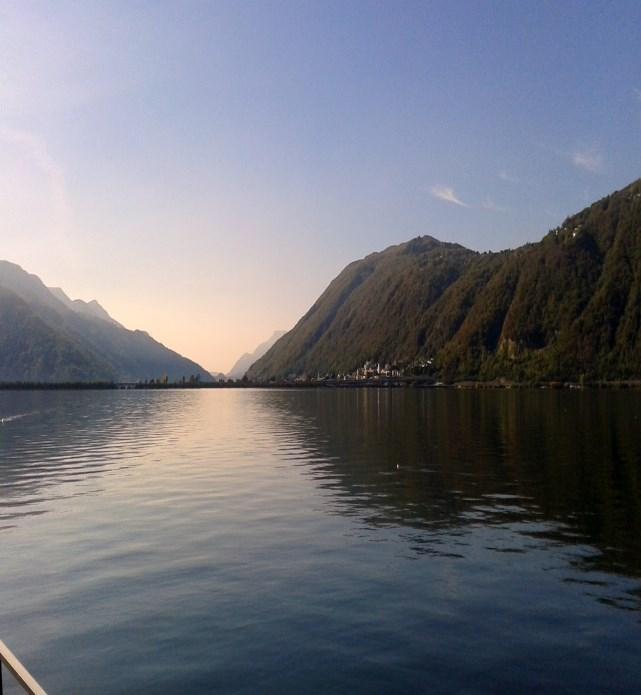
567	306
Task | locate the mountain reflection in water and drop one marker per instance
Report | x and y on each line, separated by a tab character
569	463
438	540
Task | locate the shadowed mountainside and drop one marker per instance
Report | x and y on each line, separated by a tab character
47	337
566	307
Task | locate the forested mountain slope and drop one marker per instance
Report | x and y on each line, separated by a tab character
565	307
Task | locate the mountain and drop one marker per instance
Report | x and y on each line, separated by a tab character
47	337
33	350
91	308
567	307
245	361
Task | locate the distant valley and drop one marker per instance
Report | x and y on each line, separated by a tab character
565	308
245	361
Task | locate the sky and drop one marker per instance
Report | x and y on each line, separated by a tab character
204	169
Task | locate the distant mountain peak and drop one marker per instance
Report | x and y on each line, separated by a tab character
91	308
60	294
246	360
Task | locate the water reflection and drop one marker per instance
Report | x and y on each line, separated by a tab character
397	541
53	440
558	467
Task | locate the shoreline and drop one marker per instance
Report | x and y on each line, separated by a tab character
399	382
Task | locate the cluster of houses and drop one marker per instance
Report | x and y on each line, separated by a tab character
376	370
370	371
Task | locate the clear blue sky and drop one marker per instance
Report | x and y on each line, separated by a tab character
204	169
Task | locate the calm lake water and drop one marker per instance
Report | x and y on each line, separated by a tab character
361	541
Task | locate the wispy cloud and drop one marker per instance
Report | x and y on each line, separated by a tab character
448	195
506	176
36	150
489	204
31	151
588	160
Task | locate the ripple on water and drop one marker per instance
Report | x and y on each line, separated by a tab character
321	540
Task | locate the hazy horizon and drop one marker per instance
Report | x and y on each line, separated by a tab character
204	170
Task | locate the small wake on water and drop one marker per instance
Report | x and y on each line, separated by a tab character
10	418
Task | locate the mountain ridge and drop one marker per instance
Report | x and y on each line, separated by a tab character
568	306
90	308
47	337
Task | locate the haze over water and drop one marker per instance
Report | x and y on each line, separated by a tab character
318	540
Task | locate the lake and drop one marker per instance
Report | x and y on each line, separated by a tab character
358	540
